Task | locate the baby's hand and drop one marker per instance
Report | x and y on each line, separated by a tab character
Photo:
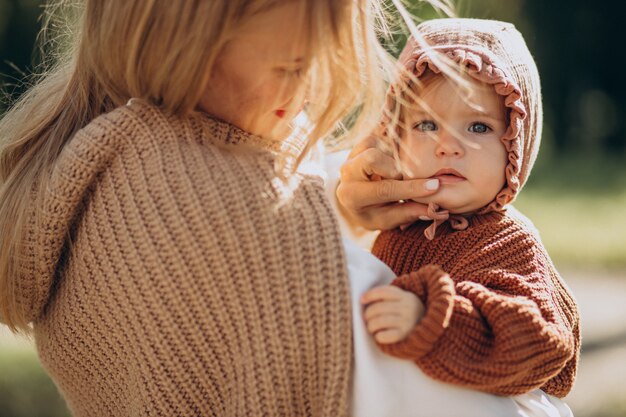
391	313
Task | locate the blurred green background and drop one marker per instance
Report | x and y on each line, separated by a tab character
576	195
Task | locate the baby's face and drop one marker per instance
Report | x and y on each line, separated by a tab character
456	139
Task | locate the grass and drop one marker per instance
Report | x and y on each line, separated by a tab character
25	389
579	230
578	203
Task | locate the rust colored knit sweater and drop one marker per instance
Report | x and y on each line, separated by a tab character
498	316
197	283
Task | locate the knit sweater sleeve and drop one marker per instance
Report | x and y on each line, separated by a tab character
503	330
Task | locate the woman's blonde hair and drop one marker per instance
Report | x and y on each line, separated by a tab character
161	51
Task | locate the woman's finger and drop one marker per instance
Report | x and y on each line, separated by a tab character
395	215
363	194
370	162
388	336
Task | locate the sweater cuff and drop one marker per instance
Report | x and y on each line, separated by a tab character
436	290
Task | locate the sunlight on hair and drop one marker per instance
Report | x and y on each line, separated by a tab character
98	54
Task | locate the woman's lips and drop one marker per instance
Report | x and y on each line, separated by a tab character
448	176
280	113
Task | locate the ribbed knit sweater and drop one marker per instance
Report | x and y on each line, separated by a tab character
196	283
498	316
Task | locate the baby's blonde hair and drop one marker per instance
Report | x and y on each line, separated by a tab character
163	52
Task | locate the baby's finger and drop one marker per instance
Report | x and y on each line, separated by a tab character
380	308
379	323
388	336
382	293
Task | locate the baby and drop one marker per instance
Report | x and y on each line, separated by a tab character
477	302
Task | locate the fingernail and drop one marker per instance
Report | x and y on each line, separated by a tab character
425	218
432	184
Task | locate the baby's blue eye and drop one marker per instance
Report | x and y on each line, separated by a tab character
426	126
478	127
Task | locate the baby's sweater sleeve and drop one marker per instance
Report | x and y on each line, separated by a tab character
504	330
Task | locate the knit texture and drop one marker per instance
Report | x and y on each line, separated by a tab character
196	282
498	316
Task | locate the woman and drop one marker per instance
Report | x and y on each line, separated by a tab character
154	235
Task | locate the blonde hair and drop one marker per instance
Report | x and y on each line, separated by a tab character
114	50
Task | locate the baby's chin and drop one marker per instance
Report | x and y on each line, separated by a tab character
451	204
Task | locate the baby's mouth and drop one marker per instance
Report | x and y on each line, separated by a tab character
448	176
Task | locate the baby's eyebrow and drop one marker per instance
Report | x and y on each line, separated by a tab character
477	112
421	113
483	115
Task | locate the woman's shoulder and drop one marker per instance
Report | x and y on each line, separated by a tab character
140	136
140	154
94	163
192	161
135	124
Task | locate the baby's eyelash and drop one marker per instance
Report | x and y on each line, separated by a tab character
473	124
421	126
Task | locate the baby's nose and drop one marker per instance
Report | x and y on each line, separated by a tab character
448	144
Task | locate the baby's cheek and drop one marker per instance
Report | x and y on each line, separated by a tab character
415	159
412	167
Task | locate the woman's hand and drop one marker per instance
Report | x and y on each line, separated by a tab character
391	313
372	194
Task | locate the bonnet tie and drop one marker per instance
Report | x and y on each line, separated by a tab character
457	222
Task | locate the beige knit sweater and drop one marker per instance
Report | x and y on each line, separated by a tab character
197	283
